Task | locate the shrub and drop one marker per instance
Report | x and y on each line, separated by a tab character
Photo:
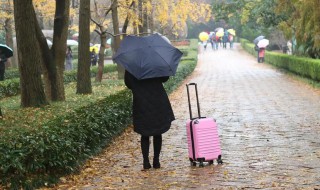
59	146
306	67
11	73
9	87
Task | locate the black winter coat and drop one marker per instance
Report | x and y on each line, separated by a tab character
152	111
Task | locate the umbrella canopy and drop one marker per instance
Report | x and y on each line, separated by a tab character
232	32
203	36
219	29
220	33
166	39
6	50
72	43
255	41
148	57
263	43
95	48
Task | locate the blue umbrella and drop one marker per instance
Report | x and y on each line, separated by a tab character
255	41
148	57
6	50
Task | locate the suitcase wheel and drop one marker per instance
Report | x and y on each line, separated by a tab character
201	164
219	160
193	163
210	162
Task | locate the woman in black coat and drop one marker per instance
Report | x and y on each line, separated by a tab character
152	113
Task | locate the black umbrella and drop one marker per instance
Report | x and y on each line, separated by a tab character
7	51
148	57
255	41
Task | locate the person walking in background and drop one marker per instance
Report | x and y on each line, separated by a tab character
94	57
3	60
225	40
261	55
68	65
231	41
213	40
289	45
217	42
257	49
152	114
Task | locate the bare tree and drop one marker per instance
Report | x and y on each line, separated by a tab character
102	32
53	60
116	44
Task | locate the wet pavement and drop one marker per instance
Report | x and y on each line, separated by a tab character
269	125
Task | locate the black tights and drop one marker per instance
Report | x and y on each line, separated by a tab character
157	142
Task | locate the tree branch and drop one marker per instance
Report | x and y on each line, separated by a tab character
95	22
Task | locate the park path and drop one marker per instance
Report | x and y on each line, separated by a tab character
269	125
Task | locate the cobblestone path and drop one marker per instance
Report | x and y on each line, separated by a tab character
269	126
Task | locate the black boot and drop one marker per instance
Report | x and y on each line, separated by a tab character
146	165
156	163
157	142
145	152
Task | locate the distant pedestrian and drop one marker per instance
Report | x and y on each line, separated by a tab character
225	40
152	114
94	57
68	65
213	40
3	60
218	41
289	50
261	55
205	44
256	48
231	41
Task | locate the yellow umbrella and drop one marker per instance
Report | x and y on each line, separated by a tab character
96	49
232	32
203	36
220	33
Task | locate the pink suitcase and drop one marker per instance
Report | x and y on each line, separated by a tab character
202	136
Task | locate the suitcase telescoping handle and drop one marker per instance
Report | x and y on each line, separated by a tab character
198	105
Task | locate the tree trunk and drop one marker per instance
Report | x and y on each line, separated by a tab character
103	39
9	31
59	47
83	75
32	92
126	22
151	19
47	63
135	24
117	39
145	19
140	11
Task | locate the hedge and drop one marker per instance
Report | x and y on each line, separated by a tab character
30	157
34	157
306	67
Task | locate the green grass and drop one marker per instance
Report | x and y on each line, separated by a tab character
15	116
